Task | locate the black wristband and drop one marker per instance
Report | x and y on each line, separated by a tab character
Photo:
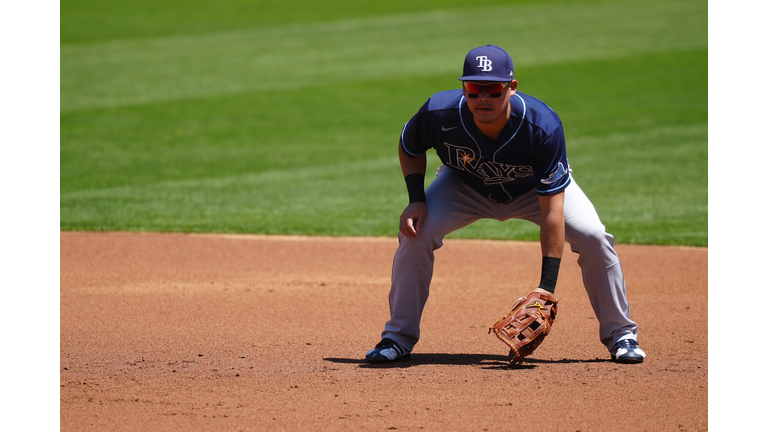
550	267
415	184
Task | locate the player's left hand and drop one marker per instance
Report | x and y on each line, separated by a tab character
412	219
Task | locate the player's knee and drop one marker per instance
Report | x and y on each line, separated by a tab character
592	238
423	240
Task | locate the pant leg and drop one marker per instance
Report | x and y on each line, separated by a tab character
600	267
451	205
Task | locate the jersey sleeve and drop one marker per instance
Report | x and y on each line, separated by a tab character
415	137
552	171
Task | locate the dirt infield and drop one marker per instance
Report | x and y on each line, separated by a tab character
226	333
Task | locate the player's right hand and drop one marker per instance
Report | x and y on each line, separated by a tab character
412	219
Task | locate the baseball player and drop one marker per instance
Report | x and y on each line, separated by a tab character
503	155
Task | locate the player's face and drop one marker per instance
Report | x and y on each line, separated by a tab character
487	102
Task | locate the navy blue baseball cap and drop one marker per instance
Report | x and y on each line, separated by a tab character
488	63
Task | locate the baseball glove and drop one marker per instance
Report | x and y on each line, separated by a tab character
526	325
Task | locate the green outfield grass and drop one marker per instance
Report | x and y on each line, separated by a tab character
283	118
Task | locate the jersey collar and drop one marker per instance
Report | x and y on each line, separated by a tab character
510	130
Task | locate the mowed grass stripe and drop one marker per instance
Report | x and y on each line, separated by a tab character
89	21
119	73
298	176
319	201
645	147
323	200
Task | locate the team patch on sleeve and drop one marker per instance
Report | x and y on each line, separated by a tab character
557	180
556	175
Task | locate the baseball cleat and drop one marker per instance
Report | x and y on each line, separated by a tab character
627	351
387	351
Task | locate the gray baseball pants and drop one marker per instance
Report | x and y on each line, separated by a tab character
452	204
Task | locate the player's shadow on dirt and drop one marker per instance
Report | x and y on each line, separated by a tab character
430	359
486	361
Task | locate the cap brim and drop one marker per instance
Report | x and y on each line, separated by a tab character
485	78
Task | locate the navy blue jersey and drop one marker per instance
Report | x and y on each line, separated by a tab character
528	153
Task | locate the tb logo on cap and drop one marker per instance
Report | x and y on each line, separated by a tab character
484	63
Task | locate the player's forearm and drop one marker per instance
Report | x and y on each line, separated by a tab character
552	242
552	238
552	232
414	168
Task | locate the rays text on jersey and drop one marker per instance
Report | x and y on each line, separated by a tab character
491	172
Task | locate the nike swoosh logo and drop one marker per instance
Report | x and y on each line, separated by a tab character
444	129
